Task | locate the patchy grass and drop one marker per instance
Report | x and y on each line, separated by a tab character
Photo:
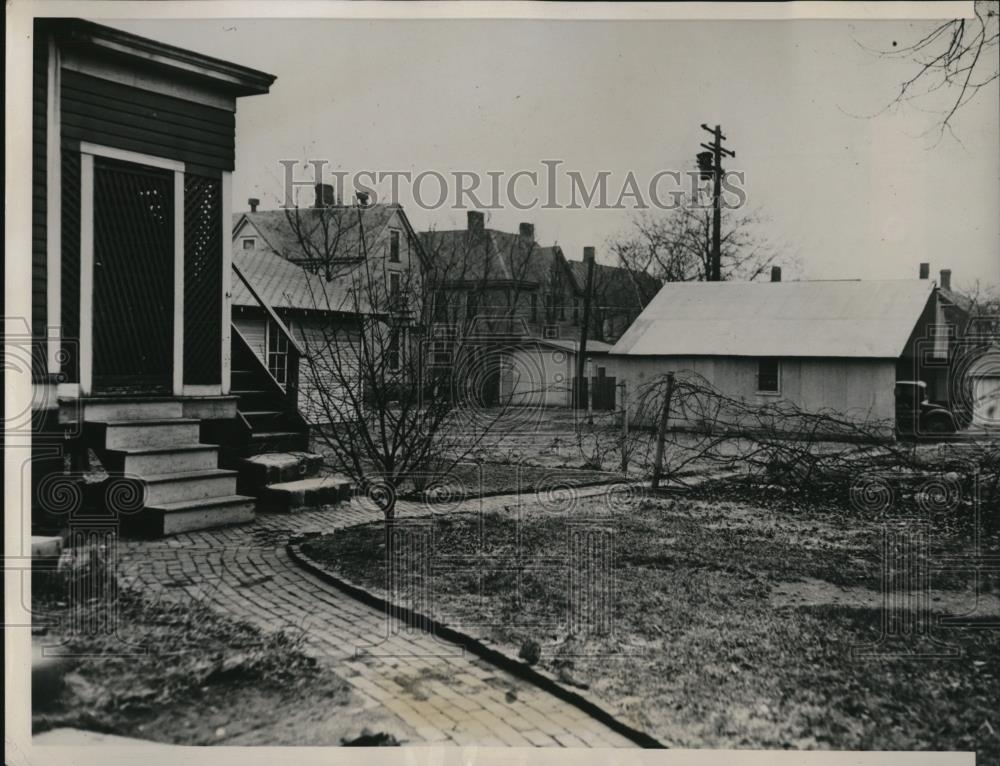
475	480
205	679
697	652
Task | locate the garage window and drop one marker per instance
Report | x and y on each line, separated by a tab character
768	376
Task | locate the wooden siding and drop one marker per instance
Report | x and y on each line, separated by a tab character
858	388
39	188
537	375
254	329
69	304
310	333
124	117
318	388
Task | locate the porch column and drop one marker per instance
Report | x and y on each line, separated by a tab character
178	383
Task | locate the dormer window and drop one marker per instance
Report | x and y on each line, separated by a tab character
249	243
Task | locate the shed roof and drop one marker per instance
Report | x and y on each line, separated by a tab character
283	284
861	319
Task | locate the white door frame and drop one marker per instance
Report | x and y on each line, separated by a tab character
87	153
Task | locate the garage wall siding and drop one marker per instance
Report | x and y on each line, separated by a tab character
859	388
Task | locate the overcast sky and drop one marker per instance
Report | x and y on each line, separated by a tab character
849	195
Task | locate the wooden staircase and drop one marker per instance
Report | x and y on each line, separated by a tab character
151	443
267	415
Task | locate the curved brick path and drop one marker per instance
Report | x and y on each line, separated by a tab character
435	692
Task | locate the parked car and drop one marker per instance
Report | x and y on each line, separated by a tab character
916	415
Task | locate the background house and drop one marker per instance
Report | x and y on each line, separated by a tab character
619	296
321	272
506	281
826	345
522	303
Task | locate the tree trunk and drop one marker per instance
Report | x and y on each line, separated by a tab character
390	509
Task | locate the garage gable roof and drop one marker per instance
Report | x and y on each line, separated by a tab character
861	319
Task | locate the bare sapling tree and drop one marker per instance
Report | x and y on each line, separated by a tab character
676	245
396	358
781	444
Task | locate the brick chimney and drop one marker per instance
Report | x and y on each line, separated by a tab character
253	202
475	220
324	196
776	273
945	282
527	230
925	270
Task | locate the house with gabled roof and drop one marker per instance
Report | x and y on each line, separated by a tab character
619	296
509	280
515	297
308	279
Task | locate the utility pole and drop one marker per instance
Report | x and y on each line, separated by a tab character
710	165
581	352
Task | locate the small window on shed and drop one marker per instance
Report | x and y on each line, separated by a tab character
249	243
768	376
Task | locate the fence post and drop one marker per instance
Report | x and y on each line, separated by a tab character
590	392
661	433
624	387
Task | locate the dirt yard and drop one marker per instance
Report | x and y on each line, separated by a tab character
205	680
723	623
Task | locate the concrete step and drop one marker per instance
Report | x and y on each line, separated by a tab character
111	409
148	461
263	420
192	515
258	471
305	493
122	434
278	441
189	485
46	547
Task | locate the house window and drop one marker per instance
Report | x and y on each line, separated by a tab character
392	352
471	306
562	308
534	307
249	243
441	353
768	376
394	246
394	290
441	306
277	353
576	309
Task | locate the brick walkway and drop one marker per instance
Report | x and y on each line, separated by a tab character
437	693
